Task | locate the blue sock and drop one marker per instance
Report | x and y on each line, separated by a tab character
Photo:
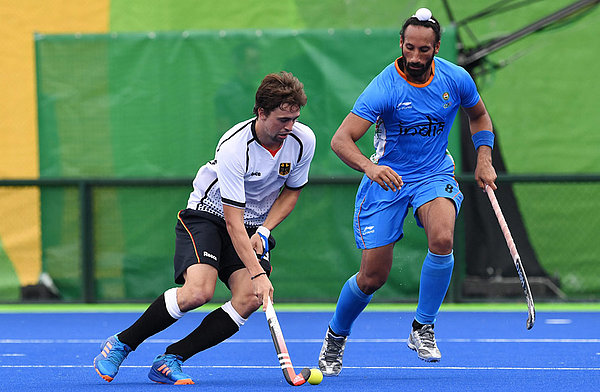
350	304
435	279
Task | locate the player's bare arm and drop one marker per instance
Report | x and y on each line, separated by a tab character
283	206
480	120
343	143
234	218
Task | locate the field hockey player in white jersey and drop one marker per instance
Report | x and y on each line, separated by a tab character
251	186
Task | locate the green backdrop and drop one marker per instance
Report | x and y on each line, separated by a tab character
154	105
541	100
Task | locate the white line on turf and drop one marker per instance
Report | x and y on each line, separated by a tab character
558	321
247	341
345	367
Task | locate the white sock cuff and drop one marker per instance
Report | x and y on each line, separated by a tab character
235	316
171	302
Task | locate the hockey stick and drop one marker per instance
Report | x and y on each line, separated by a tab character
282	352
515	256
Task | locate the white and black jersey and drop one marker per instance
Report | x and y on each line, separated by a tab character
246	175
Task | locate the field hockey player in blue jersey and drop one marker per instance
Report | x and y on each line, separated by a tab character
413	103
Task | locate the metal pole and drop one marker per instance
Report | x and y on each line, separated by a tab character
87	242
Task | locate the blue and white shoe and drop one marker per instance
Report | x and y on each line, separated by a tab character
110	358
166	369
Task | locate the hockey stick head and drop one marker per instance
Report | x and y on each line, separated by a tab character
530	317
527	292
301	377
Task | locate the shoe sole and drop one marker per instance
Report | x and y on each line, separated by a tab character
329	374
185	381
104	376
160	380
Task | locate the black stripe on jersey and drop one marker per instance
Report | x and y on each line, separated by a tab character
295	188
253	130
254	139
236	131
233	203
301	146
208	190
248	152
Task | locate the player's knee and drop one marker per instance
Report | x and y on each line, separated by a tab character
189	300
370	284
441	245
246	304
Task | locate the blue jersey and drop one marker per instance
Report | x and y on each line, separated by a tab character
413	121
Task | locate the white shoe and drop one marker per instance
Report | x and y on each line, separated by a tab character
330	358
423	342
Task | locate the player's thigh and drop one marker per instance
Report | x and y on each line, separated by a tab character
198	240
437	216
436	198
230	262
379	215
375	267
199	286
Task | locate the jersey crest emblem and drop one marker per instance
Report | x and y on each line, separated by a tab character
284	169
446	96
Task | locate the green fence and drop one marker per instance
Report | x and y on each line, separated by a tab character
89	260
130	108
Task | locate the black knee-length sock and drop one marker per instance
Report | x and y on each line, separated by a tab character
215	328
155	319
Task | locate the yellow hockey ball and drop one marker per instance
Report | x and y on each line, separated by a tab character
315	377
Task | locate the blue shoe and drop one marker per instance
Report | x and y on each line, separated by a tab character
166	369
110	358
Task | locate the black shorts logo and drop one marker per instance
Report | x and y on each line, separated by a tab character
284	169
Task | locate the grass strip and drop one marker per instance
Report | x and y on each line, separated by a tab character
307	307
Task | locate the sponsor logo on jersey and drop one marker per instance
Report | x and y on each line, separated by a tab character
284	169
257	174
404	105
430	128
368	230
209	255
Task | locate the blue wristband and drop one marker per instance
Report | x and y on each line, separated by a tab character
483	138
265	241
264	234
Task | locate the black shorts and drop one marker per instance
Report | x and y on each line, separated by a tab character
201	237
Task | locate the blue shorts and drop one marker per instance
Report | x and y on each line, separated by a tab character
379	214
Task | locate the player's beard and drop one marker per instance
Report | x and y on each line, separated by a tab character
417	73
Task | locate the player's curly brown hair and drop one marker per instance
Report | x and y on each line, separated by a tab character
279	90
